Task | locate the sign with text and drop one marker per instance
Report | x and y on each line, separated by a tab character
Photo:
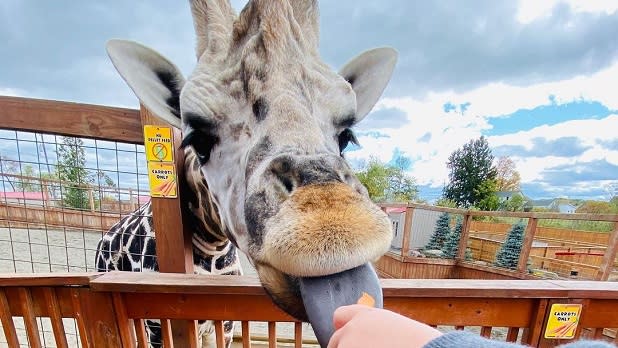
158	143
162	179
562	321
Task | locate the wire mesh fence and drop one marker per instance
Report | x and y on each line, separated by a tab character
59	195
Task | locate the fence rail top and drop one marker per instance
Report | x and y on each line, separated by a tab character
71	119
537	215
47	279
174	283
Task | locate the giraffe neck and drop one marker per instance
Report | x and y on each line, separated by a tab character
209	236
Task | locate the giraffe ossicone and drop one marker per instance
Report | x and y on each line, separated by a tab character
266	122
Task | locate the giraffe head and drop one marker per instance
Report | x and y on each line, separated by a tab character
269	121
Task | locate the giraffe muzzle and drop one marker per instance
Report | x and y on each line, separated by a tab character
323	295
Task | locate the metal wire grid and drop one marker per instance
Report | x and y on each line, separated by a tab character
39	232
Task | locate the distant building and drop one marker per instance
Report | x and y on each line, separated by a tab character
25	198
562	207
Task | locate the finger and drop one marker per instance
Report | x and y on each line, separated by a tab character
335	339
344	314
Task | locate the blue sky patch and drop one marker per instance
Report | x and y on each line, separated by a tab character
525	119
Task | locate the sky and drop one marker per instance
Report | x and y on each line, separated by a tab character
537	78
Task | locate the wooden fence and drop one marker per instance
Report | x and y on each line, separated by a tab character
560	256
110	308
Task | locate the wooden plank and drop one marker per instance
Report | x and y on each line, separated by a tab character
407	230
298	334
458	327
99	319
272	334
166	333
486	331
463	239
174	247
46	279
219	336
72	119
526	245
188	307
535	329
246	335
144	283
6	318
140	331
609	258
25	300
512	334
465	312
537	215
84	334
125	325
55	316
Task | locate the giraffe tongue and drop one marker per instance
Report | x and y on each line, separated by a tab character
322	295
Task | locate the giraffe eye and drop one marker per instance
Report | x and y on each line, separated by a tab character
201	143
345	138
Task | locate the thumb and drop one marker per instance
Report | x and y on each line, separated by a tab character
344	314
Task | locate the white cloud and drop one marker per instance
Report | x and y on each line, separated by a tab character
13	92
449	131
529	10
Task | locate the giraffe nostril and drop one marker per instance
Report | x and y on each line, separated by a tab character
289	186
282	166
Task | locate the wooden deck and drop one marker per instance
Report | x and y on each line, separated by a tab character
110	307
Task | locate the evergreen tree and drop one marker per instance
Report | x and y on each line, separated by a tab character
451	244
472	176
441	231
508	255
72	170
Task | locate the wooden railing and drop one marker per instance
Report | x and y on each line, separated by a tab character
597	272
110	308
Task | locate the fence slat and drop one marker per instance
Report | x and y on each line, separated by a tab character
79	318
246	335
298	334
55	317
609	258
27	309
140	331
512	334
166	333
486	331
219	337
124	323
7	321
272	334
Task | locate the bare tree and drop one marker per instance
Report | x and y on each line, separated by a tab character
508	178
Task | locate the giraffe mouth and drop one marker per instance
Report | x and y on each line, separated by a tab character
323	295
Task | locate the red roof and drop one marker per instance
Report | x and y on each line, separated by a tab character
39	196
395	210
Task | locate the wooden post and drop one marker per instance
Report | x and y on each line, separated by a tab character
91	199
463	239
609	257
407	229
174	247
526	245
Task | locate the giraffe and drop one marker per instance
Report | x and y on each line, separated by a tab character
268	122
130	244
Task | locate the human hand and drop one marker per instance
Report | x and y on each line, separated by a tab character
363	326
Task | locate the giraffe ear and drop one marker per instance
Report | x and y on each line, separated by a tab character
369	74
154	79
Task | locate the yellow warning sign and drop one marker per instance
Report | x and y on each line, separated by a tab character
158	143
162	178
562	321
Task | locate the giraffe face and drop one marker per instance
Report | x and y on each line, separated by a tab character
269	122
